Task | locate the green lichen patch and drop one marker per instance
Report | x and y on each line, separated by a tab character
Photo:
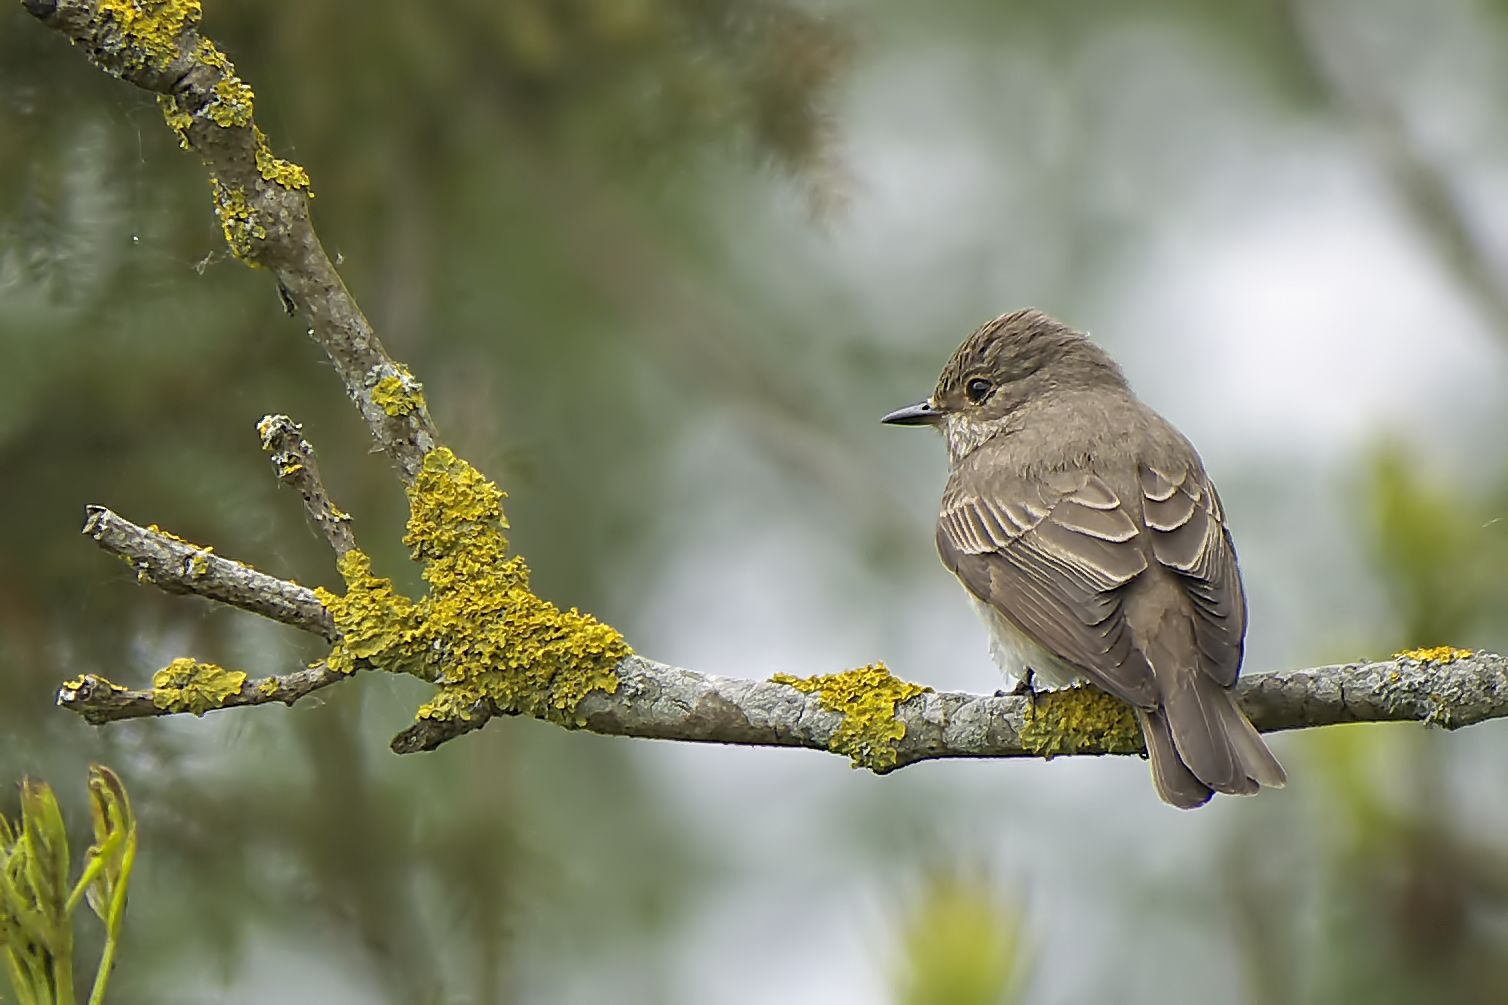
187	685
398	394
867	698
1080	719
237	220
150	29
1435	654
479	632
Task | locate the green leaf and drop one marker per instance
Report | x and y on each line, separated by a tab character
107	863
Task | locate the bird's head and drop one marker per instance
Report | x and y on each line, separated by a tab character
1005	364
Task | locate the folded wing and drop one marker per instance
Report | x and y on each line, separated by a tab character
1052	555
1187	522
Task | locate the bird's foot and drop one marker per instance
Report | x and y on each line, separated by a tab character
1026	688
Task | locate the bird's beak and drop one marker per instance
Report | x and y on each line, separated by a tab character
920	414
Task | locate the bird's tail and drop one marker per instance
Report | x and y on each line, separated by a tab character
1199	743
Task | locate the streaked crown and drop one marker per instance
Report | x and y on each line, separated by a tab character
1014	348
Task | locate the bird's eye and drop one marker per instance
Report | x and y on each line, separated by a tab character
978	389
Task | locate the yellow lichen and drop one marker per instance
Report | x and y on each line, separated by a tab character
269	686
210	55
92	680
187	685
1080	719
143	573
237	220
479	632
285	174
377	623
1435	654
178	120
867	698
233	103
198	563
154	529
398	394
270	424
150	29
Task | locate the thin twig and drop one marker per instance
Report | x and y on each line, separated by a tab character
177	566
293	460
100	701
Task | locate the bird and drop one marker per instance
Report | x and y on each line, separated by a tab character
1087	532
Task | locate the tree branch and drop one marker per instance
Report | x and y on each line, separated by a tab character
878	721
658	701
293	460
100	701
174	565
261	200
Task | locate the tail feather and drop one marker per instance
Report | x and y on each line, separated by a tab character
1255	757
1198	711
1214	740
1195	716
1199	726
1176	784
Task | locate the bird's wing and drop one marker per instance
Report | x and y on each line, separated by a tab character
1187	524
1052	555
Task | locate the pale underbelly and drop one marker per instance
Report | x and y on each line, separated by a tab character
1014	653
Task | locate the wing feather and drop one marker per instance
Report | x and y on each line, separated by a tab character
1053	557
1187	524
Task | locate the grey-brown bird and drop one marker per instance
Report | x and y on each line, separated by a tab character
1087	532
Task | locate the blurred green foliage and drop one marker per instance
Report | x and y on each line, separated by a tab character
1439	544
961	944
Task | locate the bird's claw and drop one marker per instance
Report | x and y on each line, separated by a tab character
1026	688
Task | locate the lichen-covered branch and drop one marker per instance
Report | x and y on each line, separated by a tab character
261	200
491	645
881	723
293	461
172	564
189	686
910	724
